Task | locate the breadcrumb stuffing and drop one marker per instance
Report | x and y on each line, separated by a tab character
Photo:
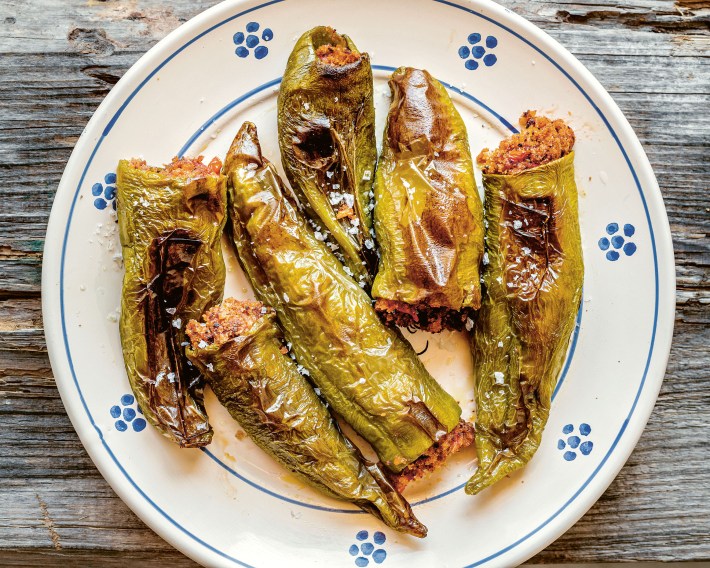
224	322
422	316
183	167
337	55
344	211
541	140
460	437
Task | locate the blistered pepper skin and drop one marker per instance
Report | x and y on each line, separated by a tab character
532	292
263	390
367	372
326	122
428	214
170	230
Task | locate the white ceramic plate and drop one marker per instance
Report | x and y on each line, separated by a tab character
231	505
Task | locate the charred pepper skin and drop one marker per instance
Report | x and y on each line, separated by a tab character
428	214
263	390
326	122
170	229
532	292
367	372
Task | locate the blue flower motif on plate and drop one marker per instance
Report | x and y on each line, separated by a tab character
368	548
617	239
104	192
573	443
251	41
127	413
477	51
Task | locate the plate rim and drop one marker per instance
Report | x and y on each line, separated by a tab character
192	31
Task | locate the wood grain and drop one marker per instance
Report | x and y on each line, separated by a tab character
60	59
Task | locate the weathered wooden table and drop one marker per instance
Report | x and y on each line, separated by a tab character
59	60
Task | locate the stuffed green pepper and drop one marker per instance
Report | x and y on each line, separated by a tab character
170	223
241	352
326	121
428	214
367	372
533	275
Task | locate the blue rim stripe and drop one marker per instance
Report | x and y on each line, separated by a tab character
112	122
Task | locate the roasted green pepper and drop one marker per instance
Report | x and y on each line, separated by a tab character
240	350
428	214
367	372
170	221
532	291
326	119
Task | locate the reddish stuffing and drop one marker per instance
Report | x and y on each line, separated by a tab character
460	437
183	167
422	316
337	55
225	321
541	140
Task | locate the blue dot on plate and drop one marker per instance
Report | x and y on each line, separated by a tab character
110	178
121	426
585	429
261	52
139	424
238	38
573	441
367	548
491	42
127	399
561	444
611	228
629	249
478	51
604	243
569	456
471	65
629	230
252	41
115	411
361	561
110	192
612	255
567	429
474	38
464	51
267	34
586	447
129	414
241	51
617	241
252	27
97	189
490	60
379	537
379	556
362	535
353	550
100	203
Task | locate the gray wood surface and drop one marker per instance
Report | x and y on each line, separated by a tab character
60	58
